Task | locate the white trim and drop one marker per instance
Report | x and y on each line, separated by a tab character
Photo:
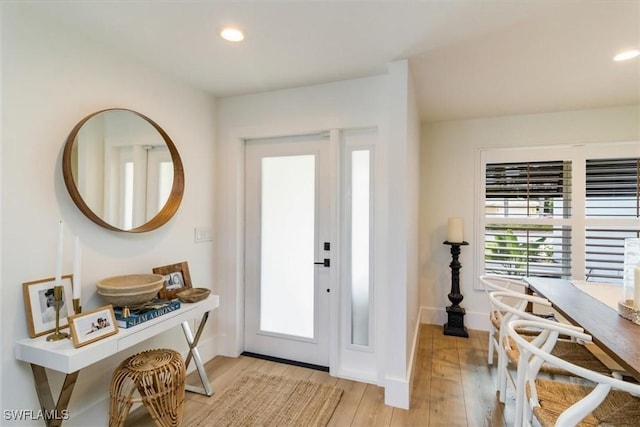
359	362
397	391
359	376
335	178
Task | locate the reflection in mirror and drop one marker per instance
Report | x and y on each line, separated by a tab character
123	171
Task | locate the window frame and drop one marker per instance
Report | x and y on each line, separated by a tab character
577	154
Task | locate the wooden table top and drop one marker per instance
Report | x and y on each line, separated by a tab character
615	335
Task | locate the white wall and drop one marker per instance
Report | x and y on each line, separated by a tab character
449	153
51	78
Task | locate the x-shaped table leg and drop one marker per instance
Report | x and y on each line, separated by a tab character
195	355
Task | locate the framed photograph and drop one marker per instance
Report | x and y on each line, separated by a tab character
93	325
176	279
39	304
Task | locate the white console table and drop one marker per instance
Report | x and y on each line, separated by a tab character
62	356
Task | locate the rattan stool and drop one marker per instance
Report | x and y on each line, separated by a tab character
159	377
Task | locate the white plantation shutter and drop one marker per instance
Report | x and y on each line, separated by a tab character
612	188
525	204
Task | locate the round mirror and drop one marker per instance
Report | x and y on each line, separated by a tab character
123	171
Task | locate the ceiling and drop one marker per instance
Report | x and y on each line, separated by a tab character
468	58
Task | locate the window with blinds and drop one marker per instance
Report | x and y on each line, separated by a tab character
612	188
524	205
528	189
564	212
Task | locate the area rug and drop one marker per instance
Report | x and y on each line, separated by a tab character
258	399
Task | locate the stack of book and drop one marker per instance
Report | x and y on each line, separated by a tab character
140	314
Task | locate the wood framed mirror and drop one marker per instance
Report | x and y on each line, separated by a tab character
123	171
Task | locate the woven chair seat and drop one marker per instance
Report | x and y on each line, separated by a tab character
567	350
159	378
618	408
495	317
495	321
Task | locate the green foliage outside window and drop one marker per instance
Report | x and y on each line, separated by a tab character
515	256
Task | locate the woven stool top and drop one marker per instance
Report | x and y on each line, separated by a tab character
150	360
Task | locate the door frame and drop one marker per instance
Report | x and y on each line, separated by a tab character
240	136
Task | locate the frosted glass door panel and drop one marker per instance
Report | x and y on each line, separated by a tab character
287	245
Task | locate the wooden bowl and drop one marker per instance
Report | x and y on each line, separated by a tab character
130	289
193	295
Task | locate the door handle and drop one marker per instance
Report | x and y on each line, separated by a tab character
325	263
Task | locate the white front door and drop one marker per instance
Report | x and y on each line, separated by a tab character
288	248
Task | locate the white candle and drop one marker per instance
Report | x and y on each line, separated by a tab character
58	278
636	288
77	280
455	230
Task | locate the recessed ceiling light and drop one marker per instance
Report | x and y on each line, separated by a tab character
628	54
232	34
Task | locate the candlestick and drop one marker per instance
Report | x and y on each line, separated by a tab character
636	288
57	300
455	313
58	277
77	280
455	230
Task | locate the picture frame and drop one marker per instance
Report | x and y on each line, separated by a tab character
39	308
93	325
176	279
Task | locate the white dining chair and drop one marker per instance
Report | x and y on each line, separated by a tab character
492	283
507	306
600	400
512	306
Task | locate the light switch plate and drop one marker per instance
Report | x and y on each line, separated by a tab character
203	234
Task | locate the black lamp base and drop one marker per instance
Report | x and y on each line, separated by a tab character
455	324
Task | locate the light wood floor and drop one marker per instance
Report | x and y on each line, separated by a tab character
453	386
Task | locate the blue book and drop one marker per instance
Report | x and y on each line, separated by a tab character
148	311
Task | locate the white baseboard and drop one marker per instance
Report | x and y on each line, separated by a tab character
397	391
359	376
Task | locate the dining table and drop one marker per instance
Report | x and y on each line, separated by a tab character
615	335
